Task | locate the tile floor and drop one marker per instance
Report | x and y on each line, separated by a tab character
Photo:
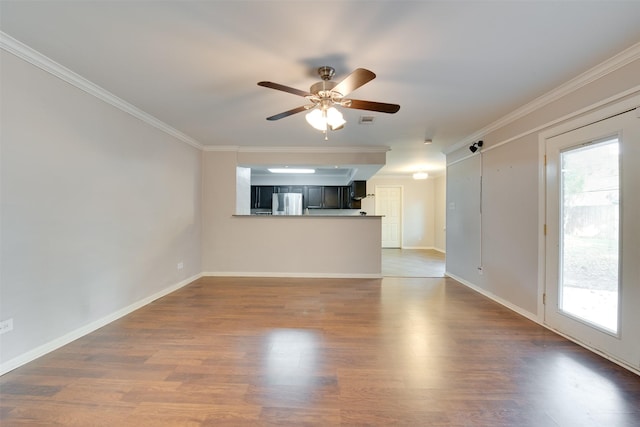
412	263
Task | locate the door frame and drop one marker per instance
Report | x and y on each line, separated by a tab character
604	110
592	114
401	187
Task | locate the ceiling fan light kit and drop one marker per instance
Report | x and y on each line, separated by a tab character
326	95
322	119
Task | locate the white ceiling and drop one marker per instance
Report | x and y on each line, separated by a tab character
454	67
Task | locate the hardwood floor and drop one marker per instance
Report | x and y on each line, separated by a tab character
247	351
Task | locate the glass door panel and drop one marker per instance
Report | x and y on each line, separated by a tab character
590	192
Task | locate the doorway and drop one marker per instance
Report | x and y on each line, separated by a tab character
389	206
413	263
592	281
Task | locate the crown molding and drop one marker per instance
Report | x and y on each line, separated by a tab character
612	64
312	150
45	63
221	148
316	150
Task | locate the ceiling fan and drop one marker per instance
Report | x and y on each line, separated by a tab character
325	95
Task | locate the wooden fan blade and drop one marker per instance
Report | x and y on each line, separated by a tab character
353	81
373	106
284	88
287	113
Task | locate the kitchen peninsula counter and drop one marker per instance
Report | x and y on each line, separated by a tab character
339	246
308	216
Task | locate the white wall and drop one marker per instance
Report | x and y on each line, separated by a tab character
98	208
463	218
440	214
506	240
419	205
243	191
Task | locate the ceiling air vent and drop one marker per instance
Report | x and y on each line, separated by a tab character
366	120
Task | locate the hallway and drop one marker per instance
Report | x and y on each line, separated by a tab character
412	263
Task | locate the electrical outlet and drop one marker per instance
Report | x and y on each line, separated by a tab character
180	265
6	326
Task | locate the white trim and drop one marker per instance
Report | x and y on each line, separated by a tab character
495	298
594	350
421	248
87	329
612	64
566	122
409	175
291	275
41	61
401	216
542	221
228	148
317	149
591	114
468	156
537	320
312	150
599	111
594	115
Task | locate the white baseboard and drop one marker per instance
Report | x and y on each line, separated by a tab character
293	275
536	319
507	304
30	355
432	248
87	329
422	248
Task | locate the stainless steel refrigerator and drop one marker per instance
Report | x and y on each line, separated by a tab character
286	204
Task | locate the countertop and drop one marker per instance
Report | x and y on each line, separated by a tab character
308	216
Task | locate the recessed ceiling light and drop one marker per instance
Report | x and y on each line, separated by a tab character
420	175
291	170
428	142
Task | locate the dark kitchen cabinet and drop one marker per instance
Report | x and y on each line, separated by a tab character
324	197
331	197
347	201
262	196
358	190
300	189
314	197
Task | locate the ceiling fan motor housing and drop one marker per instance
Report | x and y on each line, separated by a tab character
326	72
325	85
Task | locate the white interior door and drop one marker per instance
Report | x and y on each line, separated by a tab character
389	204
592	279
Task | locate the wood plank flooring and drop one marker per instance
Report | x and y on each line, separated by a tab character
247	351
